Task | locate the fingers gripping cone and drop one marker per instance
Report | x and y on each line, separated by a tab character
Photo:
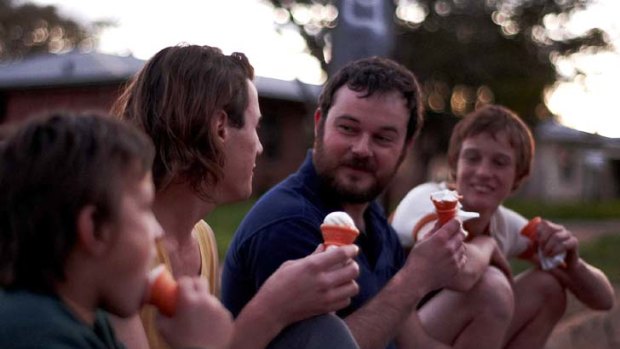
163	290
338	229
546	262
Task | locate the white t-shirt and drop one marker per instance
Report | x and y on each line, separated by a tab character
415	216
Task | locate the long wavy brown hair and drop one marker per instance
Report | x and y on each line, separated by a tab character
175	98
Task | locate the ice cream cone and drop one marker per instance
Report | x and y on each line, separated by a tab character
446	210
163	291
529	230
446	204
334	235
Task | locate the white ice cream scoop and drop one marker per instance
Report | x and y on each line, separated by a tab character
339	218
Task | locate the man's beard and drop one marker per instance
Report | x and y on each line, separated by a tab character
349	193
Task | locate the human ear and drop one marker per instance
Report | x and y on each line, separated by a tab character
221	124
317	121
90	237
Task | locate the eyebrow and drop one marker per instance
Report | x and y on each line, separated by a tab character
353	119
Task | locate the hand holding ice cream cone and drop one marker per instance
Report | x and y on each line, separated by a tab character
447	207
546	262
338	229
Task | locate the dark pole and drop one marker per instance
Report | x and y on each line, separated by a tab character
365	28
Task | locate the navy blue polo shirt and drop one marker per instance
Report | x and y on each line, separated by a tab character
284	225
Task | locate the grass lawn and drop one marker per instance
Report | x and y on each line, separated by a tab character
224	220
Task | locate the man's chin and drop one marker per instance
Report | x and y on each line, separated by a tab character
356	194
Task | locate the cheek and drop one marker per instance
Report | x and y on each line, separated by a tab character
461	172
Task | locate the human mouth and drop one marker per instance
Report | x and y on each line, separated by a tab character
360	165
481	188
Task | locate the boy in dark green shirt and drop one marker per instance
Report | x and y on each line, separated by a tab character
77	238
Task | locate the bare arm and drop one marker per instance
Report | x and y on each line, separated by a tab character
299	289
431	264
586	282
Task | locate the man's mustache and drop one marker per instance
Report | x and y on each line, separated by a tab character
359	163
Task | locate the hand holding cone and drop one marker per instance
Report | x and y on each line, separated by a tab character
546	262
163	290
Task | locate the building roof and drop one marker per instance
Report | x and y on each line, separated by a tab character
67	69
75	68
553	130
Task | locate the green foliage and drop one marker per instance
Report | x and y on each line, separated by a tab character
29	29
563	211
603	254
224	220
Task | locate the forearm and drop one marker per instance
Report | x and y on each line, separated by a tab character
588	284
255	327
380	320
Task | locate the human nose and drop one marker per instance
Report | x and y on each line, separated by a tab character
259	149
484	168
361	145
157	231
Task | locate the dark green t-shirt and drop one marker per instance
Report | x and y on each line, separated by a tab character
30	320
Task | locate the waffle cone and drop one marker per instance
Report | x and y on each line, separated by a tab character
529	230
335	235
163	291
446	210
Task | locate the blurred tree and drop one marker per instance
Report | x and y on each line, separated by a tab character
28	29
466	52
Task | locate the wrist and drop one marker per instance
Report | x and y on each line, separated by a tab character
412	287
270	318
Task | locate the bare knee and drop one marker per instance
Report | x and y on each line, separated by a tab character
493	295
550	291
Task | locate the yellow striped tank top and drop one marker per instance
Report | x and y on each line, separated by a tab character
203	233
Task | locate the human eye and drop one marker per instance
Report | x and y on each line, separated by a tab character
470	157
346	128
384	139
501	161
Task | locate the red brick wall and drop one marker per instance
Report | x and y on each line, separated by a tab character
20	104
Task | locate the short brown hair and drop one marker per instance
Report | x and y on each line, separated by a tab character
50	169
174	99
377	75
492	119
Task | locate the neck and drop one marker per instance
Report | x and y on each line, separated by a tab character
81	300
178	208
356	211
